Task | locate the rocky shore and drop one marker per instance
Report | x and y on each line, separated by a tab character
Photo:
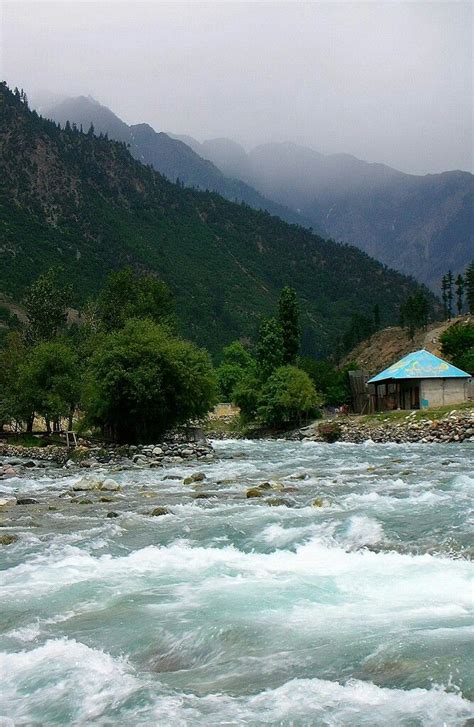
456	426
86	455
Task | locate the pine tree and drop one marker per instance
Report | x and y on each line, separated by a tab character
288	316
450	281
459	293
444	295
469	282
376	316
270	348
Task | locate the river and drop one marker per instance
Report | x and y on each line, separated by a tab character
230	611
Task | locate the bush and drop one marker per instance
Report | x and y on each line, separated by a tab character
330	431
143	381
457	344
287	397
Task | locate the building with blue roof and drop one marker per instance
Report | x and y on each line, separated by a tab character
418	381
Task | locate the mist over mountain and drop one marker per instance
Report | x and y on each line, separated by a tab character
170	156
83	202
421	225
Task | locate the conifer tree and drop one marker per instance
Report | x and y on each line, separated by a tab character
270	348
449	282
288	316
469	282
444	295
459	293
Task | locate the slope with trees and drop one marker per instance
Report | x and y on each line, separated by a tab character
82	201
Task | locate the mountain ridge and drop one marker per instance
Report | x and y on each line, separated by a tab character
83	202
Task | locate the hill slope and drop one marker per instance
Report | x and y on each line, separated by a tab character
84	202
169	156
421	225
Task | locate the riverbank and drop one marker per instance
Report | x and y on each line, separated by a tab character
88	455
434	425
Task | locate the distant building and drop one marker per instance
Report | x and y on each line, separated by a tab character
418	381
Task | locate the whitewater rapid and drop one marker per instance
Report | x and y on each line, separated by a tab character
230	611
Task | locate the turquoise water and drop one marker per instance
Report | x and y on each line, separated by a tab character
229	611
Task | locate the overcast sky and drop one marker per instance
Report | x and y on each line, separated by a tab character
385	81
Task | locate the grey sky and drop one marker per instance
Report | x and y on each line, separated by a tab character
386	81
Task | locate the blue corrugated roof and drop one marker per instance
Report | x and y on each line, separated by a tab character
420	365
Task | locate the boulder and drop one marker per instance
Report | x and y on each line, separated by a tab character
7	502
112	514
110	485
196	477
8	538
278	502
254	492
157	511
27	501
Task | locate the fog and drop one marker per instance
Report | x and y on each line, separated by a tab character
387	82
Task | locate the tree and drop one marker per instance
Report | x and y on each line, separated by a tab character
270	348
459	293
127	294
246	395
376	316
48	383
414	313
237	362
11	356
457	344
288	318
444	295
287	397
46	304
449	293
143	381
469	282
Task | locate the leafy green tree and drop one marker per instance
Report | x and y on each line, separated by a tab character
246	395
237	362
143	381
11	356
459	293
288	318
46	303
128	295
457	344
270	348
469	282
287	397
48	383
330	381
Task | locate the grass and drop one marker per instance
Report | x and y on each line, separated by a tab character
31	440
415	415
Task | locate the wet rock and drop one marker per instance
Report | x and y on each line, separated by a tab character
318	502
110	485
278	502
87	485
196	477
330	431
8	538
27	501
8	471
112	514
85	502
29	464
265	486
254	492
7	502
106	499
157	511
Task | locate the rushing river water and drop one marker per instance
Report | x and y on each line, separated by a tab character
229	611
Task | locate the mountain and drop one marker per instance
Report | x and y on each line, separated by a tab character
170	156
85	203
421	225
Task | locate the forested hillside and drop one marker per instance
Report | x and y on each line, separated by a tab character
82	202
168	155
421	225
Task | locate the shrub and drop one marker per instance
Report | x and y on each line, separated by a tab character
287	397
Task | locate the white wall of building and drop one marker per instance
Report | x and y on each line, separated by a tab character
437	392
